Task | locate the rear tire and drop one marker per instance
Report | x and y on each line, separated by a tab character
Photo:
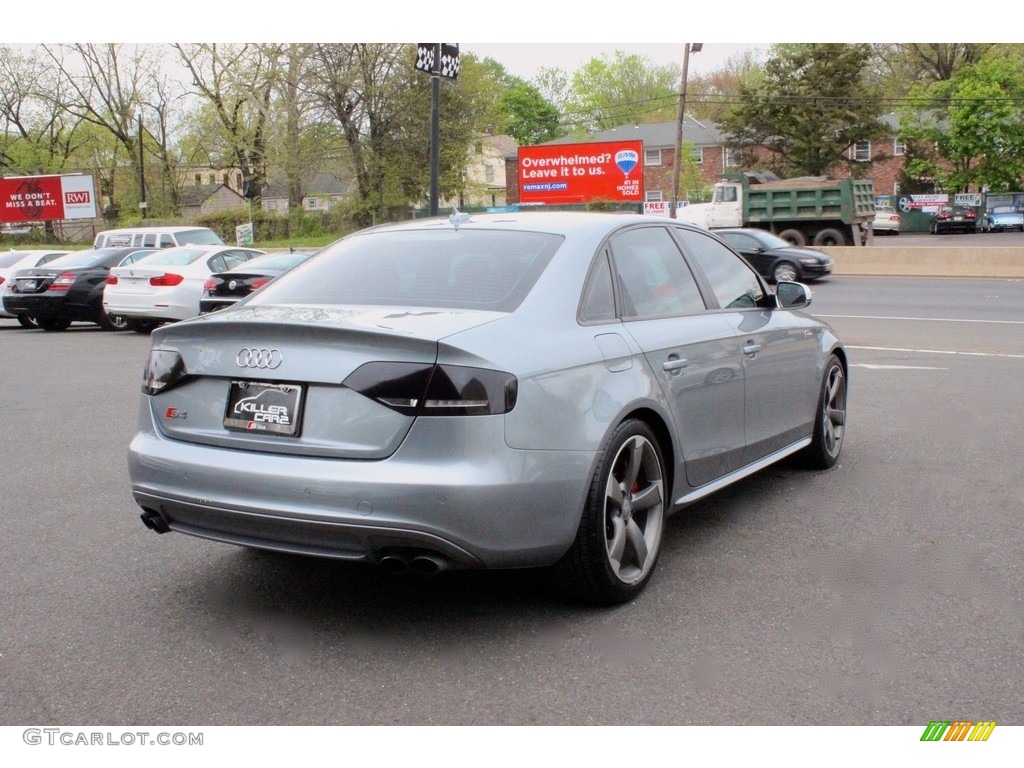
141	326
619	536
53	324
830	421
794	237
830	237
27	321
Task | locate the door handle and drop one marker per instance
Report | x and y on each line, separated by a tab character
675	363
751	348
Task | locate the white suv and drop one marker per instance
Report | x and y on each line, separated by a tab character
156	237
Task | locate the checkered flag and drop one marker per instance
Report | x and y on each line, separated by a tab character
425	57
449	64
450	60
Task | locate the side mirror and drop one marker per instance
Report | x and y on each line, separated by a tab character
790	295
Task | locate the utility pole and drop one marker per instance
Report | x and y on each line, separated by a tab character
676	162
142	173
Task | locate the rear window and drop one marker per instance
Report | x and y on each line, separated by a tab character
80	259
177	257
452	269
6	259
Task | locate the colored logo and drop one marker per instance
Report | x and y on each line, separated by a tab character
626	159
958	730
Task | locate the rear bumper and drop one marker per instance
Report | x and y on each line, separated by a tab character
499	508
48	307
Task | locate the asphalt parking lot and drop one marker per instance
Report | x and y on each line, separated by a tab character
886	591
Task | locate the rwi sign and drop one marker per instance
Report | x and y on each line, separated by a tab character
76	198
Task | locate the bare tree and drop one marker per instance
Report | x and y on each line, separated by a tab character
237	82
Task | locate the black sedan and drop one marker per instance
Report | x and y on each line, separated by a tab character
222	289
953	219
774	258
66	289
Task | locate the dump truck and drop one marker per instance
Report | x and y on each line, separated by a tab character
809	210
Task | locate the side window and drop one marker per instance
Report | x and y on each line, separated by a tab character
598	300
149	240
734	283
217	264
743	242
653	278
166	241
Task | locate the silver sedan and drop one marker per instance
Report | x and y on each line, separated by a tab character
512	390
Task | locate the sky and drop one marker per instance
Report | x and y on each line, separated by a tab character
524	59
522	36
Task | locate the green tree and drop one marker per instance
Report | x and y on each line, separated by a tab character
975	121
526	115
607	92
812	105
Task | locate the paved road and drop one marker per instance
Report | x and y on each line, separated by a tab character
884	592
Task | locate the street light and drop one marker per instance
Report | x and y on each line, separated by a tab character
695	48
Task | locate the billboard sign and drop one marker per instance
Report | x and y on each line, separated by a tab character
579	173
46	198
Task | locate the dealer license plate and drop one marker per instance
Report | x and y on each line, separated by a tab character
259	406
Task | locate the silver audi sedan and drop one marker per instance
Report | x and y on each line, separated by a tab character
496	391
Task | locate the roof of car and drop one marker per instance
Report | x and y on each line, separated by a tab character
558	222
149	229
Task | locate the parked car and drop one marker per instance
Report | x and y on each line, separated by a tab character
498	391
14	260
953	219
1003	218
156	237
886	221
168	285
775	258
226	288
65	290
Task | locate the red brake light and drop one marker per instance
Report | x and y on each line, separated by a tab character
1	280
111	279
210	285
63	282
166	279
259	283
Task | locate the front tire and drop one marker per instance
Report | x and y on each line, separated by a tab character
619	536
110	322
830	422
785	270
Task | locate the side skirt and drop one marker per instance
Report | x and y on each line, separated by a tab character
732	477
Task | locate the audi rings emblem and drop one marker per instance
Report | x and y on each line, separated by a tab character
250	357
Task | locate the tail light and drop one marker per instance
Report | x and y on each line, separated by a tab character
423	389
111	279
164	369
63	282
166	279
1	279
259	283
210	285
